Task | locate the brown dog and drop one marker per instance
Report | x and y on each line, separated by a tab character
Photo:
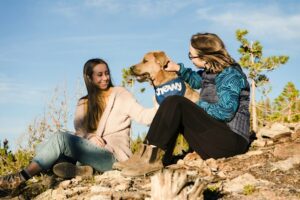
152	68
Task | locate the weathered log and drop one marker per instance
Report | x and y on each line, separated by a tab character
171	184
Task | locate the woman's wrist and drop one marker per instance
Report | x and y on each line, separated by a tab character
181	68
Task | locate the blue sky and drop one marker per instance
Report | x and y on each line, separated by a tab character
44	44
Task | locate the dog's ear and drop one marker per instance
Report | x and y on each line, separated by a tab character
161	58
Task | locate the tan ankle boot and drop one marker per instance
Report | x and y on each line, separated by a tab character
151	161
69	170
11	181
136	156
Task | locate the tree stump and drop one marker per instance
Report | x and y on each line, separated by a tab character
176	184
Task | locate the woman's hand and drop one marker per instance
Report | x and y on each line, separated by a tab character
97	140
172	66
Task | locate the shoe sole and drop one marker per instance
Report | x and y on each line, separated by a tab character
69	170
120	166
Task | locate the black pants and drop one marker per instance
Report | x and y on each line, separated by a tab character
207	136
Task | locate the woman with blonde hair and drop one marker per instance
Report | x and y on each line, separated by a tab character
216	126
102	123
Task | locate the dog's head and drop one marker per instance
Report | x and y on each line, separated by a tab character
152	68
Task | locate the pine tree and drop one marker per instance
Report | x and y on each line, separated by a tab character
252	59
287	104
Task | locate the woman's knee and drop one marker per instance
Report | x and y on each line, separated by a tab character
173	101
57	138
60	136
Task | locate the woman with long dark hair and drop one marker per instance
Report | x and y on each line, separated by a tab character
102	123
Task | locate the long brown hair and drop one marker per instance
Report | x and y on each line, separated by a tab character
95	105
211	49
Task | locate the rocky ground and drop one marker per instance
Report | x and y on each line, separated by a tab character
269	170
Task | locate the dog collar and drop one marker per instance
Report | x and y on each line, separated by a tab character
170	88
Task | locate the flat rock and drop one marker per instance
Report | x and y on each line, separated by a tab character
238	184
276	130
285	165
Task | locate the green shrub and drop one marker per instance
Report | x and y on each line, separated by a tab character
248	189
135	144
181	145
11	162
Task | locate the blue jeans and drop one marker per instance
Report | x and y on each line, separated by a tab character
65	144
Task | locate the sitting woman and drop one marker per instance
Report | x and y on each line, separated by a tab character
216	126
102	124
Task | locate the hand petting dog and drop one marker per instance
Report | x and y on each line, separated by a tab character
172	66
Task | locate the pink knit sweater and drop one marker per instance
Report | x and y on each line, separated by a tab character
114	125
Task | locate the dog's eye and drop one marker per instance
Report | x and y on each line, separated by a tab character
144	61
